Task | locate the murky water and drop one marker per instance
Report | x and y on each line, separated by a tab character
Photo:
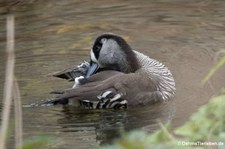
53	35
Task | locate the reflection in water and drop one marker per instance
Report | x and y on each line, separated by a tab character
53	35
94	126
105	123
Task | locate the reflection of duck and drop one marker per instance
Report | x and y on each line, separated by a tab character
107	125
118	77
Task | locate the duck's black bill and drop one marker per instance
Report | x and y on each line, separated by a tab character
92	70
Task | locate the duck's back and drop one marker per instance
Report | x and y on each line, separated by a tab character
158	72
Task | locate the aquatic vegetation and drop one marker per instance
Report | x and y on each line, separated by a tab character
207	123
206	126
214	70
36	142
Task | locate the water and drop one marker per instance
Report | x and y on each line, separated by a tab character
52	35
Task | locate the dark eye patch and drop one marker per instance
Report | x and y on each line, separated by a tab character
96	49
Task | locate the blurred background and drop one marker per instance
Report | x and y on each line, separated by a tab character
52	35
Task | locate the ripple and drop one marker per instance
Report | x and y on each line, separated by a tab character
54	36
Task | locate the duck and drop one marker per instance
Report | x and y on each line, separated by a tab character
117	77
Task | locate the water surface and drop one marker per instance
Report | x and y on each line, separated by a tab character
53	35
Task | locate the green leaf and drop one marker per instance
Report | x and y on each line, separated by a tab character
208	122
36	142
214	70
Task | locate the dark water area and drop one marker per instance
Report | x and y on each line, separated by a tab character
51	35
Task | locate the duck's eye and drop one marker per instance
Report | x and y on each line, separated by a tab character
97	47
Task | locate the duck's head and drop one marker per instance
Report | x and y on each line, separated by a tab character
111	52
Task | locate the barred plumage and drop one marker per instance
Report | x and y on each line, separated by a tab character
121	75
166	83
105	102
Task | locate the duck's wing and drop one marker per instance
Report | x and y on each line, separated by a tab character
73	72
93	87
91	91
112	89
